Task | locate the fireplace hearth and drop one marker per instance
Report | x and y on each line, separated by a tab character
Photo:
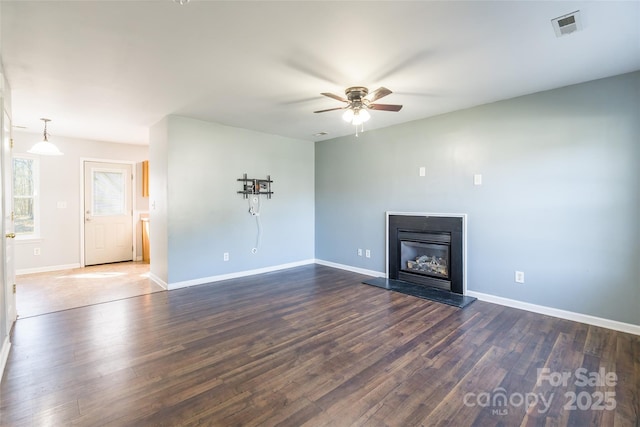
426	257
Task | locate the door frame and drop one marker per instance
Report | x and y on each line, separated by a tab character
134	209
7	270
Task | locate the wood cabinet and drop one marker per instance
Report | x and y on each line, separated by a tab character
145	178
146	256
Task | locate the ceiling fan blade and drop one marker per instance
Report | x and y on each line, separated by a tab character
385	107
378	93
330	109
330	95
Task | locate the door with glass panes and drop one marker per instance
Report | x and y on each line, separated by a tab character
108	214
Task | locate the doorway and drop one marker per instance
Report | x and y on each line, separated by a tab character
108	213
109	266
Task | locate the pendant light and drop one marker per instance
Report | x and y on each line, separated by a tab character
44	147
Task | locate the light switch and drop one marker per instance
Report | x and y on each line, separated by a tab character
477	179
423	171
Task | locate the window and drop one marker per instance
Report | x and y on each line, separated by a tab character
25	196
108	193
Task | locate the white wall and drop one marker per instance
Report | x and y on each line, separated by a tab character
158	169
5	321
59	240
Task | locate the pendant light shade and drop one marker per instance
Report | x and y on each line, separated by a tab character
44	147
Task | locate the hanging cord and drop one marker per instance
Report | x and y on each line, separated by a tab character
254	210
258	235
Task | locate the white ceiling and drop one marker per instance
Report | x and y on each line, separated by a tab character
108	70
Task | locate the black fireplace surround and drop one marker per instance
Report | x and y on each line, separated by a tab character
427	251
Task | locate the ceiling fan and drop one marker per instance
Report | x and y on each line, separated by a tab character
359	100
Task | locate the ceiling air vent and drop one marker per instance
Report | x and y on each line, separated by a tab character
567	24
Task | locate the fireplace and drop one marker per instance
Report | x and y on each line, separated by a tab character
421	255
427	250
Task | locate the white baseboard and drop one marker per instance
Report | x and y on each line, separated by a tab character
351	268
158	281
47	269
211	279
4	355
562	314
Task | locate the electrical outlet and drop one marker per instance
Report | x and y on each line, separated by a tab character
367	253
519	277
359	252
36	251
225	256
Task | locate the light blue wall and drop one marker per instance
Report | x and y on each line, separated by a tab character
205	215
560	198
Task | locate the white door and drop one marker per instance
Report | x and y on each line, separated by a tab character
108	214
9	275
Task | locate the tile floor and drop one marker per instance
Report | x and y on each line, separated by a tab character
41	293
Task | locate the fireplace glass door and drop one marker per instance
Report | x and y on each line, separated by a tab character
431	259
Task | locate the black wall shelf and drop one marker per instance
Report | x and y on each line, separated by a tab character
255	186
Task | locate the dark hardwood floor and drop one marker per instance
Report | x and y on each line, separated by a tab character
312	346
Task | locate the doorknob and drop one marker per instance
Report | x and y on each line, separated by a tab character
10	235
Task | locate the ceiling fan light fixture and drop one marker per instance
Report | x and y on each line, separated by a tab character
356	116
364	115
348	115
44	147
358	103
